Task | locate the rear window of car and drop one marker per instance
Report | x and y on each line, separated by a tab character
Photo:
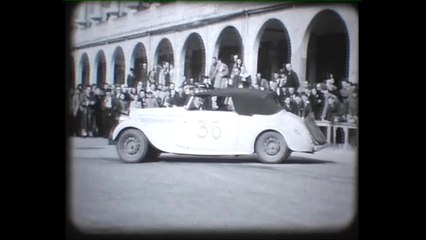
263	106
248	101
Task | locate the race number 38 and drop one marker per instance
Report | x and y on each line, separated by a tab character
205	129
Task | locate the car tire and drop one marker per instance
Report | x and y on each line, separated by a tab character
132	146
271	147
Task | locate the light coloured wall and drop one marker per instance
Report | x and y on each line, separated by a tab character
296	21
157	16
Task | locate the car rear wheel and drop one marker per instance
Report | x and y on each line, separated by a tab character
132	146
271	147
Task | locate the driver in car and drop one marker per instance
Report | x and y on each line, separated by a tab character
197	104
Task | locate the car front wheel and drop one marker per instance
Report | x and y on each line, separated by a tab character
132	146
271	147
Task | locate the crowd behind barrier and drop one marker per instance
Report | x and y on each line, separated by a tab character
94	110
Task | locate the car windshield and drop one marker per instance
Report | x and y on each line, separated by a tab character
210	103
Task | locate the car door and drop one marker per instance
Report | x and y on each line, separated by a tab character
209	130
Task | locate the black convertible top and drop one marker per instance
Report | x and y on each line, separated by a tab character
248	101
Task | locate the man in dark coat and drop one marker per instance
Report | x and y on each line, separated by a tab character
292	79
110	113
144	75
131	78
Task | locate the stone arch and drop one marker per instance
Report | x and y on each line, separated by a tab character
84	70
119	66
273	46
228	44
137	60
100	68
164	52
327	47
194	57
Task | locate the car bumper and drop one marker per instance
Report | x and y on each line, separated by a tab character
320	147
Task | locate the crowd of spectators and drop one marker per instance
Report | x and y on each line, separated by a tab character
94	110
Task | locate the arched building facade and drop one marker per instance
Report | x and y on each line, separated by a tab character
317	39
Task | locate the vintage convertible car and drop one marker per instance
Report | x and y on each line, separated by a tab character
215	122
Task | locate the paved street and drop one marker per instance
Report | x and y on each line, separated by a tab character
184	193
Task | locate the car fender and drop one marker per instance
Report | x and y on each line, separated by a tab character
291	127
153	122
128	123
296	133
147	129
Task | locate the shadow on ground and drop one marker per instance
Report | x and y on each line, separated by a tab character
88	148
192	159
213	159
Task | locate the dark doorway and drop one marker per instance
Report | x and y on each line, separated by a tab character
194	57
85	70
164	52
100	69
119	66
274	48
328	48
229	44
138	58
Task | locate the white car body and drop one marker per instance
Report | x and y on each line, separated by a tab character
177	130
203	132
